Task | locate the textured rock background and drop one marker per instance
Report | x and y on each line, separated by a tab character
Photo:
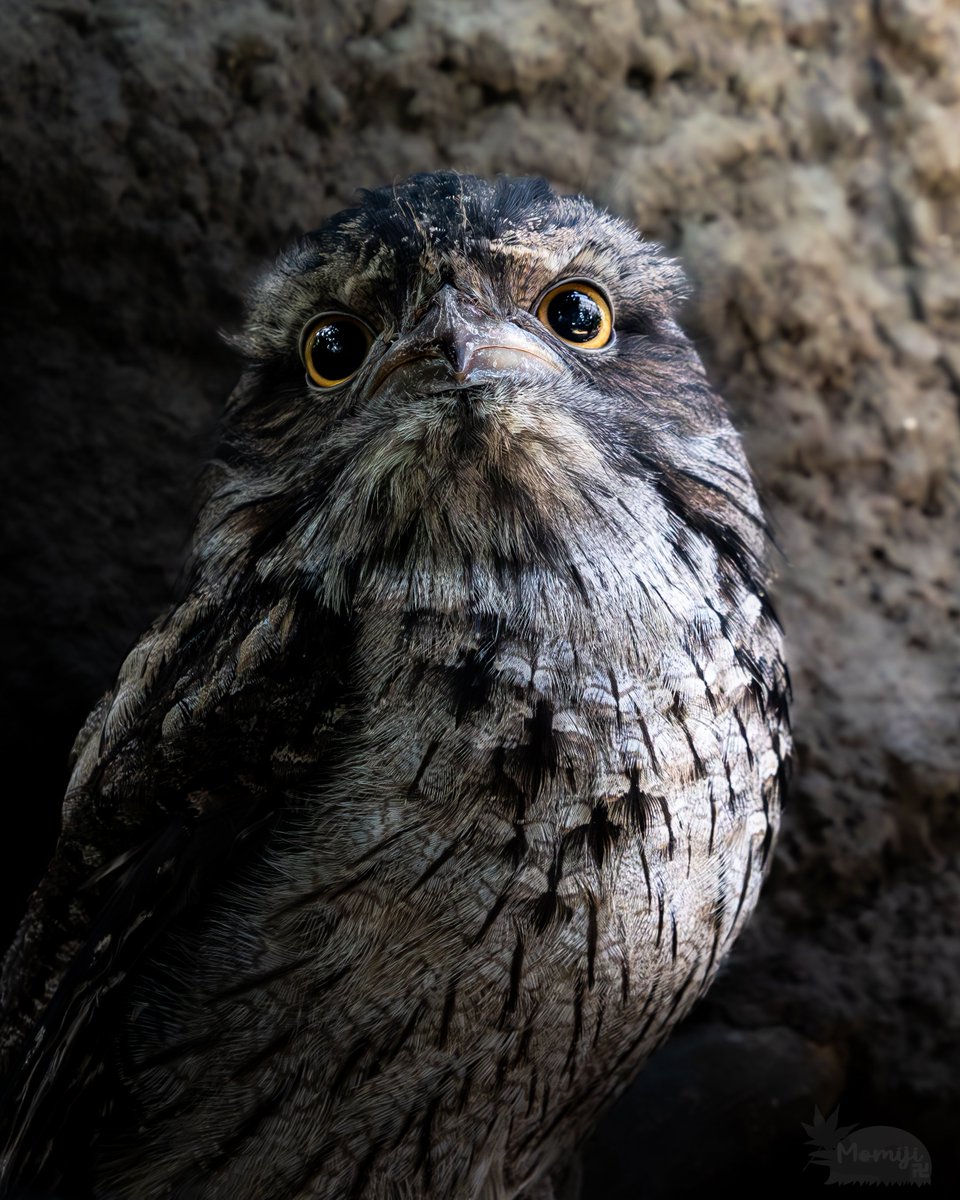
803	159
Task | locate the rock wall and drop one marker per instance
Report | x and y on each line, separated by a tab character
802	157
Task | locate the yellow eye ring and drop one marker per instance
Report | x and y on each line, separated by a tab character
578	313
333	347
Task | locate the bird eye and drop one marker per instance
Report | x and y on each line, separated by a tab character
333	347
576	312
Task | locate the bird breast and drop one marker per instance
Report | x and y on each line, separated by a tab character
527	866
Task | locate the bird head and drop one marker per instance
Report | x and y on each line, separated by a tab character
465	376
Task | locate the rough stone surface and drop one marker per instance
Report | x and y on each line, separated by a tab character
803	158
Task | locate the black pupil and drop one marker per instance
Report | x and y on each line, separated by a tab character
575	316
337	349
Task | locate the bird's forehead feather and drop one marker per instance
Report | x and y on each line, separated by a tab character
516	236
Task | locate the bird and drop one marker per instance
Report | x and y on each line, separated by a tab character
444	786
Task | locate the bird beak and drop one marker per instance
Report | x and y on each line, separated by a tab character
457	343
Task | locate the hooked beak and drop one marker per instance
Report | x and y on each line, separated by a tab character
457	343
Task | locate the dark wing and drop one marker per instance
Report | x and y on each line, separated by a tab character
215	719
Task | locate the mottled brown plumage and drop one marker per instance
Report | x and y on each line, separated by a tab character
440	793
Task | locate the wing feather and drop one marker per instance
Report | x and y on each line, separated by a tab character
174	784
